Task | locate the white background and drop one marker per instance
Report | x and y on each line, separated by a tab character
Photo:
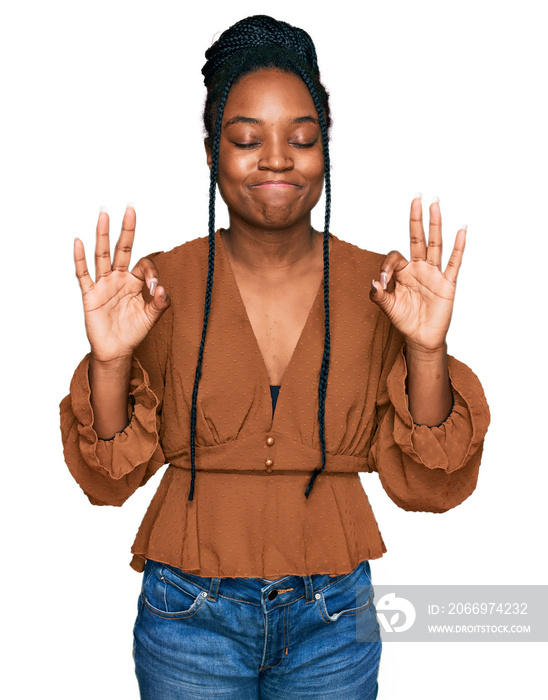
101	105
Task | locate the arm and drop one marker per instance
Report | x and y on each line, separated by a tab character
109	379
426	468
420	307
109	456
110	470
109	386
431	409
428	385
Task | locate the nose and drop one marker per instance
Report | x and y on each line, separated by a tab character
275	155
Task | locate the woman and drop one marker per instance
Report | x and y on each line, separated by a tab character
256	547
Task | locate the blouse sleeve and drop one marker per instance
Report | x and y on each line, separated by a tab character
425	468
109	471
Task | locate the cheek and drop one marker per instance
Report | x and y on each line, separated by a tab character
233	171
314	165
228	180
315	173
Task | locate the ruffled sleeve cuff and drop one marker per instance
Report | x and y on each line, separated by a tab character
452	444
133	446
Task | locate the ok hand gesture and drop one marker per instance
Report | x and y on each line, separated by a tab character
422	302
116	315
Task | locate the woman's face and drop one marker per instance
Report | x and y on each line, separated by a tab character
270	154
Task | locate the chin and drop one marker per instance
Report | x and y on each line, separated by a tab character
277	217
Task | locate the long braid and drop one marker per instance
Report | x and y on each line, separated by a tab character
324	372
209	285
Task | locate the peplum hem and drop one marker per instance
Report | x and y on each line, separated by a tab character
258	526
138	562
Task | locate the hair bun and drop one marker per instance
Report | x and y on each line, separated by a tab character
259	31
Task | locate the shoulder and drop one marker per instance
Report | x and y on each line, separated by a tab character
184	261
350	258
351	271
190	250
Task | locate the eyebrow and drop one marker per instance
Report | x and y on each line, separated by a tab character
252	120
304	120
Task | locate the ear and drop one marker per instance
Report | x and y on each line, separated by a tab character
207	146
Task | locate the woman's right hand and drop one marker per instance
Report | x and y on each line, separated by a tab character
116	315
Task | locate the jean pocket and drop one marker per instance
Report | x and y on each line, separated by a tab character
349	596
169	595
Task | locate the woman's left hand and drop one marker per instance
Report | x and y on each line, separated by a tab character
422	302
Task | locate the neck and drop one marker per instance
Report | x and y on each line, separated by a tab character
271	252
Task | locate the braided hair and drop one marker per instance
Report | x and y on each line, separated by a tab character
245	47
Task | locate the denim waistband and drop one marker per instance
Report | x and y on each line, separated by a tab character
258	590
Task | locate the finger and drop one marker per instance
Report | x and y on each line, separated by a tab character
453	266
84	278
147	271
393	263
159	303
416	230
381	297
434	235
102	247
122	252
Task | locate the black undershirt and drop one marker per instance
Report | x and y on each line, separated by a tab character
274	391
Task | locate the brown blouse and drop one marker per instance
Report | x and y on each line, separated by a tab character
249	516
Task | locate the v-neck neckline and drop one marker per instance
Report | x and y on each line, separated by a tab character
317	299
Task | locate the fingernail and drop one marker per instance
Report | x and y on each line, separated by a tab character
164	296
101	209
417	194
130	205
373	288
153	285
465	227
384	280
435	199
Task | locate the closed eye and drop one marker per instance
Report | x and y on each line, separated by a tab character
297	144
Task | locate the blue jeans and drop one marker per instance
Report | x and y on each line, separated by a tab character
286	639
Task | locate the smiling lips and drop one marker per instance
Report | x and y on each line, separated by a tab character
275	183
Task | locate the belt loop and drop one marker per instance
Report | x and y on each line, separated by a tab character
309	588
214	589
